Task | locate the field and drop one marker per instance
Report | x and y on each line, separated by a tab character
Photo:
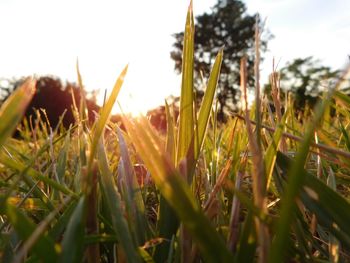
270	185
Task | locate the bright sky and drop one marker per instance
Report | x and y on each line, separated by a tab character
46	36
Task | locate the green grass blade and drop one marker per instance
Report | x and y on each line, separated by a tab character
82	107
133	201
346	136
207	103
62	160
73	239
186	123
57	229
334	244
247	242
170	135
271	152
113	199
342	98
14	107
104	115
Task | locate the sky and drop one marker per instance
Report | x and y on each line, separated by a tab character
44	37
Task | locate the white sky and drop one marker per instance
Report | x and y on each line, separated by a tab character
46	36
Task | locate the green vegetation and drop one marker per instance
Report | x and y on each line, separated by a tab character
263	187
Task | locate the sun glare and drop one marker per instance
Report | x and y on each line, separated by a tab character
140	92
131	105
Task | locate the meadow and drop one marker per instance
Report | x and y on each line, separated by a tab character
270	185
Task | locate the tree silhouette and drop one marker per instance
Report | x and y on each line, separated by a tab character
229	26
54	97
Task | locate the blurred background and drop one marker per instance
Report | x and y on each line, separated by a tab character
47	37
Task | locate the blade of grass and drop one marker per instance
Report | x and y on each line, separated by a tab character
207	103
334	244
13	109
104	116
73	239
57	229
113	199
133	200
170	135
186	123
271	152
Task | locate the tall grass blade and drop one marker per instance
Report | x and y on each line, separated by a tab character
271	152
105	114
334	244
82	107
57	229
170	135
186	123
113	199
207	103
134	202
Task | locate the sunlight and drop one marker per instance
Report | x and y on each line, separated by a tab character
140	92
131	105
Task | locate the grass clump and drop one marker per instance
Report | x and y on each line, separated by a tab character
261	187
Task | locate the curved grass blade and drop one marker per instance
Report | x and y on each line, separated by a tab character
14	107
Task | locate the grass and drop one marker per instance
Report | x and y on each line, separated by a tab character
261	188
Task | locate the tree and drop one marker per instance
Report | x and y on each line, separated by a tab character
305	78
229	26
52	96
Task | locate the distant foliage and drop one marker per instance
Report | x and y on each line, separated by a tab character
306	79
229	26
52	96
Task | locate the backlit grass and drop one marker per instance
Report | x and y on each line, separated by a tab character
263	187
